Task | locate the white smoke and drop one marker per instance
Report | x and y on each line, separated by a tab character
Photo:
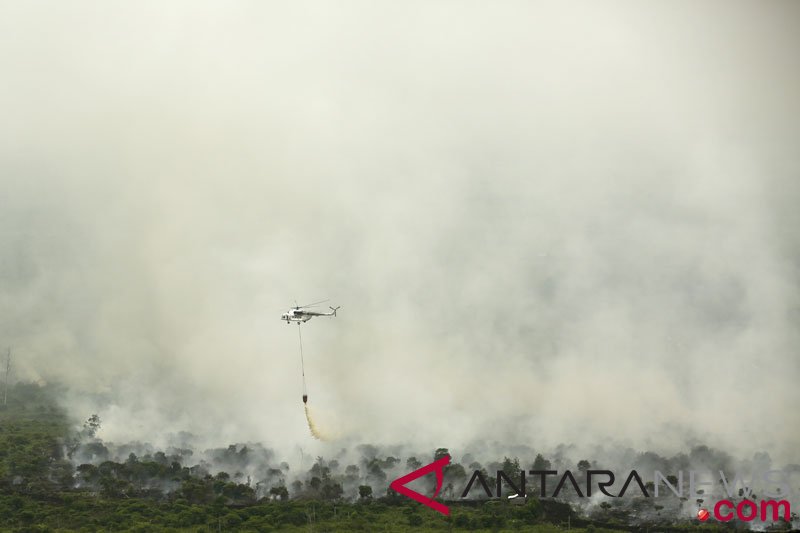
543	222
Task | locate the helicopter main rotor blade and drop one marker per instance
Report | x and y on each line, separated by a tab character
315	303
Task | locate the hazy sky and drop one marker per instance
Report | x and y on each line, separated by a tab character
544	221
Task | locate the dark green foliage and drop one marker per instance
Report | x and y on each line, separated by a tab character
365	492
540	463
415	520
439	453
280	492
41	490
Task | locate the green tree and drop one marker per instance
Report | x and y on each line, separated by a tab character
280	492
332	491
439	453
540	463
91	426
365	492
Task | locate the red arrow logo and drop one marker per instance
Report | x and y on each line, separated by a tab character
437	466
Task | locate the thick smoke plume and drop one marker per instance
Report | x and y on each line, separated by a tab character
545	223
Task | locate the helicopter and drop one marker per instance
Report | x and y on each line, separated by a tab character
299	314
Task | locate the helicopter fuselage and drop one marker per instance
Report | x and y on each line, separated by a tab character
296	315
299	315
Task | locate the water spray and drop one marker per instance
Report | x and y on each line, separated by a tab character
312	427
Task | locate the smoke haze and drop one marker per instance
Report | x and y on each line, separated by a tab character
544	222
